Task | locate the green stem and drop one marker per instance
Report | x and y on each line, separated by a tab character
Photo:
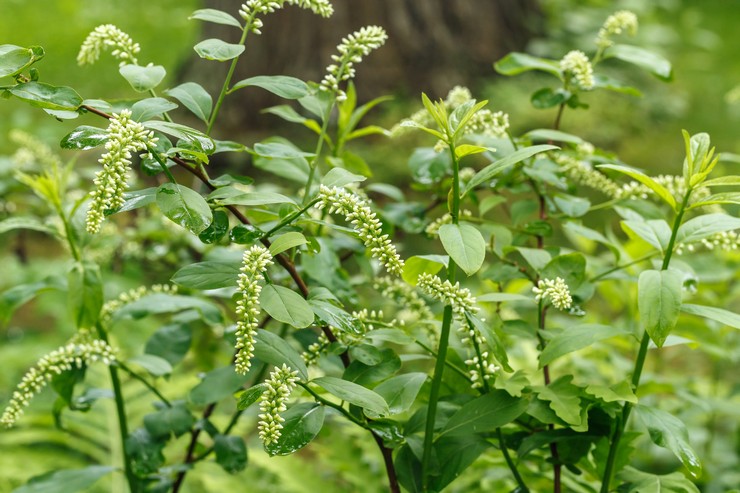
624	266
163	165
451	365
512	466
332	405
143	380
290	218
621	423
227	81
314	162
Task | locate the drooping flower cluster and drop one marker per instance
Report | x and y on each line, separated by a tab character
254	263
278	388
252	8
577	65
351	50
110	307
457	297
124	137
108	36
365	223
554	290
480	366
73	355
33	151
620	21
582	173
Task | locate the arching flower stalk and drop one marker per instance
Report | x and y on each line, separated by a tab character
254	264
252	8
555	291
351	50
75	354
278	388
365	223
123	299
124	137
108	36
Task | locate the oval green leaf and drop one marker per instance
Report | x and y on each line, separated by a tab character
184	206
302	423
218	50
47	96
281	85
354	394
143	79
465	245
287	306
84	137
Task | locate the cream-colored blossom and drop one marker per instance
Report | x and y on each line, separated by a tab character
108	36
459	298
252	8
254	264
615	24
555	291
278	388
577	65
123	299
124	137
76	354
366	224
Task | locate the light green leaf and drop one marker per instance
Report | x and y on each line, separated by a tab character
465	245
15	59
652	62
400	392
216	385
339	177
281	85
287	306
354	394
713	313
215	16
468	150
155	365
330	314
196	138
717	198
65	480
485	413
706	225
273	349
194	98
497	167
157	303
621	391
537	258
141	78
286	242
503	297
85	294
575	338
564	399
31	223
420	264
549	135
233	196
149	108
279	150
642	482
231	452
47	96
653	185
218	50
659	302
656	232
184	206
517	63
669	432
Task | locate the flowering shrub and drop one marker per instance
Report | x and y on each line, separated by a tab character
354	317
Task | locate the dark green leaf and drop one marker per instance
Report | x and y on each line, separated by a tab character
465	245
208	275
455	454
175	420
184	206
485	413
217	229
143	78
713	313
218	50
669	432
354	394
170	342
193	137
287	306
231	453
564	398
157	303
400	392
575	338
145	452
281	85
570	267
335	316
659	302
250	396
153	364
194	98
548	98
18	295
274	350
65	480
216	385
302	423
497	167
47	96
85	293
369	374
84	137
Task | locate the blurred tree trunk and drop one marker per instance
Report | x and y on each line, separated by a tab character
432	46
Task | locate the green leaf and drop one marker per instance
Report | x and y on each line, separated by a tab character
468	150
153	364
376	367
149	108
194	98
158	303
85	293
233	196
656	232
142	78
15	59
287	306
420	264
208	275
274	350
717	198
455	454
335	316
548	135
492	339
564	399
215	16
281	85
713	313
610	84
175	420
354	394
184	206
250	396
287	113
217	229
517	63
642	482
503	297
231	453
279	150
20	294
572	206
193	137
706	225
218	50
537	258
465	245
485	413
653	185
621	391
659	302
723	181
65	480
84	137
47	96
669	432
302	423
575	338
31	223
170	342
570	267
216	385
497	167
548	98
652	62
339	177
287	241
400	392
